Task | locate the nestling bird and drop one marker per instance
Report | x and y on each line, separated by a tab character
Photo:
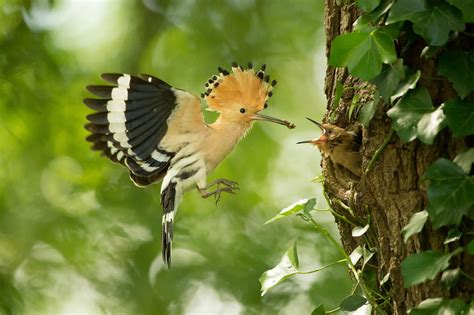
158	132
340	145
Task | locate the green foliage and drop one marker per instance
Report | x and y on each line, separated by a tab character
415	225
304	204
319	310
368	5
449	193
414	116
458	67
450	278
420	267
465	160
460	116
287	267
389	79
358	231
363	52
440	306
352	303
432	22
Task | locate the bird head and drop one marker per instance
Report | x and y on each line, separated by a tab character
328	135
240	96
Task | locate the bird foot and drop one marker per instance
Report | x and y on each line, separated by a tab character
229	187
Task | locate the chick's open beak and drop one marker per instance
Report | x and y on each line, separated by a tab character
321	139
274	120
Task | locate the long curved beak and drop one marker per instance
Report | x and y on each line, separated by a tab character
273	120
317	124
305	141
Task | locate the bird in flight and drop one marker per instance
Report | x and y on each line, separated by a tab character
158	132
339	145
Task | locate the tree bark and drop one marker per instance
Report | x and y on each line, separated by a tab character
393	190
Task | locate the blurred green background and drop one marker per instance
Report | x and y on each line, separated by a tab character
77	237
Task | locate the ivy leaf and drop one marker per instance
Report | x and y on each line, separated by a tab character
465	160
358	231
363	52
458	67
460	117
450	277
467	9
356	255
389	79
319	310
406	85
433	23
309	205
352	303
365	19
367	5
449	193
470	248
368	110
294	208
420	267
439	306
453	235
415	117
287	267
415	225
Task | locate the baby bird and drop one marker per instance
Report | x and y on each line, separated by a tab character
158	132
341	146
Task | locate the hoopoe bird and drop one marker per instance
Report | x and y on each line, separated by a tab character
158	132
339	145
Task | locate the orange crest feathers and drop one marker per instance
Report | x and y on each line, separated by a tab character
241	87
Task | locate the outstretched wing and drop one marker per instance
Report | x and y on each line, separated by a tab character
129	122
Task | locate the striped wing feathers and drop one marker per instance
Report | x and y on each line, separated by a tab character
130	121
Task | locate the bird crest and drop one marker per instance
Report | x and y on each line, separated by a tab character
242	86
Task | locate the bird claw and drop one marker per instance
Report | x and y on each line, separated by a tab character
229	187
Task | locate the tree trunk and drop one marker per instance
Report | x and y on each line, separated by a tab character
392	191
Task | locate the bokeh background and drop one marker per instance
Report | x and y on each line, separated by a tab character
77	237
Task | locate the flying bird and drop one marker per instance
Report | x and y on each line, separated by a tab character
339	145
158	132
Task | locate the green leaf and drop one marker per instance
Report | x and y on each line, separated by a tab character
368	110
352	303
309	205
466	7
450	277
415	225
420	267
449	193
294	208
374	16
470	248
433	23
358	231
319	310
465	160
287	267
453	235
460	117
408	84
389	79
414	116
458	67
363	52
354	103
439	306
367	5
356	255
385	279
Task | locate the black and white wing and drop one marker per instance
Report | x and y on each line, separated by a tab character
130	121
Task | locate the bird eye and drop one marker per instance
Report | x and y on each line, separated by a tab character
265	105
242	110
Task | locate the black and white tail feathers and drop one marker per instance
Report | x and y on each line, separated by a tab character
129	123
168	203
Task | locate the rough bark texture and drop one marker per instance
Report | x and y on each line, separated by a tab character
390	193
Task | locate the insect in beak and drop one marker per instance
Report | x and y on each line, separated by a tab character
273	120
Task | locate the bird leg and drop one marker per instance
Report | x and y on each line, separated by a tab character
229	187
